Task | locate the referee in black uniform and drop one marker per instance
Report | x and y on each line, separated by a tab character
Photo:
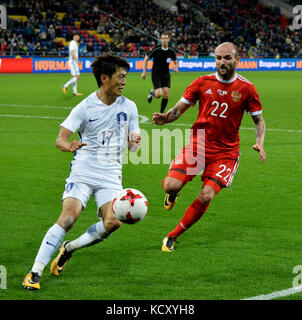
162	56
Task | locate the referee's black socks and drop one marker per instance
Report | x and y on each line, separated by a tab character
164	103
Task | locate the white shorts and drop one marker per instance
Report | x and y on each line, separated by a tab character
83	191
74	68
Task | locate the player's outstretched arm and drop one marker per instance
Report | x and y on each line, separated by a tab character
172	115
260	135
63	143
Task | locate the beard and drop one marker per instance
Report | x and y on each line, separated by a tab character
226	72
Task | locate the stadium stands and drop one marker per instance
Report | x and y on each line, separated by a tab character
133	27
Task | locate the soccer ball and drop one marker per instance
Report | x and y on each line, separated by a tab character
130	206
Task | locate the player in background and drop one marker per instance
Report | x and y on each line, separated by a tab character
162	56
223	97
107	123
73	65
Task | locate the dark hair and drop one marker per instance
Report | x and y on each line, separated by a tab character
108	65
76	34
165	33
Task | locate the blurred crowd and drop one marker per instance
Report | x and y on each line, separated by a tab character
133	27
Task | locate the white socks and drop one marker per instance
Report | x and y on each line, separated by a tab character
54	237
96	233
74	82
51	242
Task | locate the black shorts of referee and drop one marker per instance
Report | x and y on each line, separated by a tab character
161	80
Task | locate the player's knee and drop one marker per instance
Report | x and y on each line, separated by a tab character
66	221
166	95
206	195
70	213
111	224
171	185
158	93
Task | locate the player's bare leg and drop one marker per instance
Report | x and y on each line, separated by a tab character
110	221
172	187
52	240
74	87
192	214
95	234
157	93
207	194
71	211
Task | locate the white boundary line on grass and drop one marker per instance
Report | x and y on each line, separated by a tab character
34	107
143	120
277	294
31	117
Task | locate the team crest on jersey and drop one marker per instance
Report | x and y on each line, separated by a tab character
121	118
236	96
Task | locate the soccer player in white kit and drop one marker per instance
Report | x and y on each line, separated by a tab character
107	123
73	65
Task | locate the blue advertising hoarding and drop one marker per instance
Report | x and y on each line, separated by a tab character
54	65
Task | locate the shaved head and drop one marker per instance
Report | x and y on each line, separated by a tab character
229	45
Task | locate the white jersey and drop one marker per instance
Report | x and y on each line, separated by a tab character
73	46
105	130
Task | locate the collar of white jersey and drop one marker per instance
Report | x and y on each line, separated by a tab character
99	101
225	81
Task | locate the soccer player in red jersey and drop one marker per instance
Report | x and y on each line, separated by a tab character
223	97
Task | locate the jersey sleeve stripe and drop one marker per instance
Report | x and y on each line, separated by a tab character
243	79
255	113
182	99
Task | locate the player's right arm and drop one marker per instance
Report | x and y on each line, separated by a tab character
188	99
63	143
74	56
145	67
172	115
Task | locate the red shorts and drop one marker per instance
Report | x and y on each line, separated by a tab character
218	170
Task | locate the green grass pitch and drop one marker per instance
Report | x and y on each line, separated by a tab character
247	243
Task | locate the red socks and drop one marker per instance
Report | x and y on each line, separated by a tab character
193	213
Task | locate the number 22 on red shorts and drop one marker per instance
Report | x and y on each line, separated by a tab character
223	170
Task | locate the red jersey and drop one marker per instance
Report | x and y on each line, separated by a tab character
221	107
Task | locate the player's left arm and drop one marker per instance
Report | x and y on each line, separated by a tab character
260	135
